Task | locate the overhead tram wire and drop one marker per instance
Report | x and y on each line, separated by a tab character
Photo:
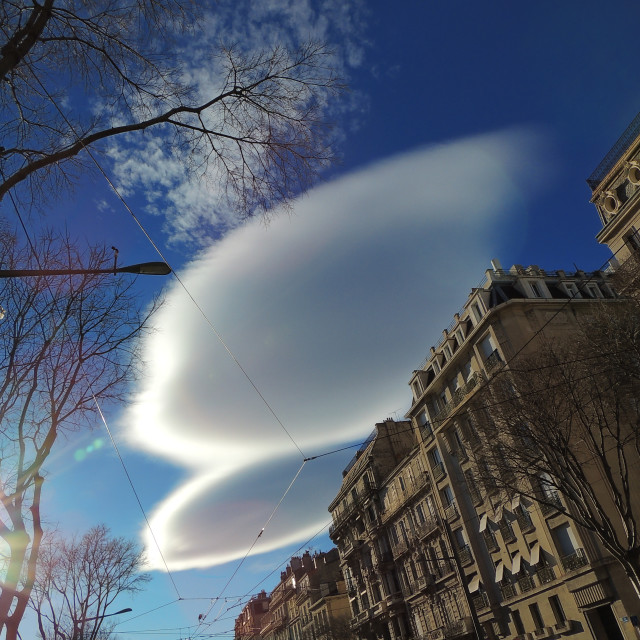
253	590
135	493
253	544
199	308
219	337
161	254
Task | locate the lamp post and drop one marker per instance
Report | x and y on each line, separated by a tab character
77	623
145	268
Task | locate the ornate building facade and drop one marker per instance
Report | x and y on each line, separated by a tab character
429	548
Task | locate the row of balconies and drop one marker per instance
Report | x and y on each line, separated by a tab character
541	575
426	528
455	629
419	482
548	631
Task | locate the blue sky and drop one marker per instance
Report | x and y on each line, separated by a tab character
468	135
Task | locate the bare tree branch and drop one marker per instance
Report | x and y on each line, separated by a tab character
63	341
257	126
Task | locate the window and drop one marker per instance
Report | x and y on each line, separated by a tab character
401	481
632	240
457	439
447	495
477	312
517	621
417	388
459	336
422	419
466	371
420	514
487	346
558	611
436	366
436	458
403	531
536	289
571	290
594	291
448	354
565	539
536	616
460	538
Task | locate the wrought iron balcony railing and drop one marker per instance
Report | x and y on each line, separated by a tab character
574	560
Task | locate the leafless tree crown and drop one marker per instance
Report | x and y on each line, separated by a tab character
76	74
79	579
64	341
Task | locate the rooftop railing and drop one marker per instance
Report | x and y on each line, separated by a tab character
614	154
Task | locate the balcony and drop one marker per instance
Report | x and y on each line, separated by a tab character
458	628
574	560
526	583
479	600
426	431
493	361
442	415
508	591
490	540
553	503
451	511
465	555
438	471
409	589
507	532
444	568
546	574
475	495
361	618
425	582
349	547
524	521
419	482
402	546
426	528
564	627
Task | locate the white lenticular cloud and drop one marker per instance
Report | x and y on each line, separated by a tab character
328	311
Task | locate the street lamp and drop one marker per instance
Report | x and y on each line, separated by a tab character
77	624
145	269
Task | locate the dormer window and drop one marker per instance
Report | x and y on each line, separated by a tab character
572	290
594	290
477	312
448	354
536	289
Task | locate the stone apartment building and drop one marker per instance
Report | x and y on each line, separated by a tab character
249	623
429	548
424	545
615	186
308	603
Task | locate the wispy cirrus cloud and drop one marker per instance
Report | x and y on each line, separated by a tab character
328	310
188	187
